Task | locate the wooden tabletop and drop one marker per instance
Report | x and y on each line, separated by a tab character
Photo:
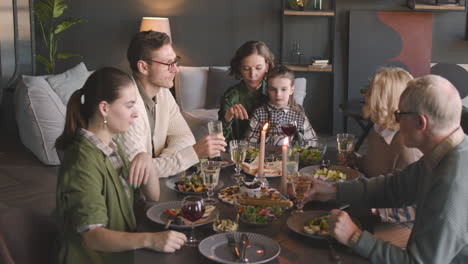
295	248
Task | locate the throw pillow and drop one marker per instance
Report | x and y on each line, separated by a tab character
218	82
66	83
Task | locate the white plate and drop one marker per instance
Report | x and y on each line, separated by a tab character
157	214
262	248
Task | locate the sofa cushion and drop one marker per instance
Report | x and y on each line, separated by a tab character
300	90
198	121
66	83
219	81
40	116
191	87
40	112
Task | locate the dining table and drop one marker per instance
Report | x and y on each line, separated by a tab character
295	247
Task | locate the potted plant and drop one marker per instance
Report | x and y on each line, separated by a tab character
50	24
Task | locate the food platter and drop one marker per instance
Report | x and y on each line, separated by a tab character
231	194
171	184
351	174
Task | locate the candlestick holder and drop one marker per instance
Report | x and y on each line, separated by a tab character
262	180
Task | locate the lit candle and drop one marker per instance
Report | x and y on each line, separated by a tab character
284	179
261	155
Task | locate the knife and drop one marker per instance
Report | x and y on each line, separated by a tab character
233	245
245	245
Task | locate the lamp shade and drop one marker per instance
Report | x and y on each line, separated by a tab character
160	24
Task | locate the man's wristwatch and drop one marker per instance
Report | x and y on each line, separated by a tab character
354	238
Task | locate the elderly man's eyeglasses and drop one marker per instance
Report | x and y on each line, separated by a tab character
398	114
170	66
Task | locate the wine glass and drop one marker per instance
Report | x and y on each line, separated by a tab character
344	144
193	209
289	128
301	185
238	149
210	178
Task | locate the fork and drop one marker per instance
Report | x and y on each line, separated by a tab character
233	245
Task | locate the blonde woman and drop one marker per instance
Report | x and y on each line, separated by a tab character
386	151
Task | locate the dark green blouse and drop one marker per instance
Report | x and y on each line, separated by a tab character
89	191
240	94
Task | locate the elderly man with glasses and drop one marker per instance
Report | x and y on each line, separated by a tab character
429	116
160	136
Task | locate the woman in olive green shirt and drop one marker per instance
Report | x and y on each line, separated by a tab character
250	64
95	194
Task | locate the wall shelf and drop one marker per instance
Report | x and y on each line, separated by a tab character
427	7
289	12
305	68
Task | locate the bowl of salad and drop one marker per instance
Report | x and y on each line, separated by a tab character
311	152
260	215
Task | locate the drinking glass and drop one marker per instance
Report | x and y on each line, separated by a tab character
289	128
210	178
315	151
344	143
292	164
215	127
301	184
193	209
238	149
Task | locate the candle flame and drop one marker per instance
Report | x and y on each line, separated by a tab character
265	126
286	141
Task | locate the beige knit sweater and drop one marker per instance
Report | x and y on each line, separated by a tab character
173	140
383	158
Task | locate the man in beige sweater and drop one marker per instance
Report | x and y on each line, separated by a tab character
160	137
429	116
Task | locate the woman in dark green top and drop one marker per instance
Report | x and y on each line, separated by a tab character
250	64
95	194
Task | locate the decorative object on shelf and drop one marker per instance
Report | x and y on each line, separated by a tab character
160	24
296	53
317	5
48	13
297	4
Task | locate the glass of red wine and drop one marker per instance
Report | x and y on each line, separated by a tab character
289	128
193	209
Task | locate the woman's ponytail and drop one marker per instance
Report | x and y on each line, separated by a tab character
73	120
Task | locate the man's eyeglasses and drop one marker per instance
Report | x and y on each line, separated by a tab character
170	66
398	114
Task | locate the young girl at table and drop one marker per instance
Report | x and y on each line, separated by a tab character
95	196
280	110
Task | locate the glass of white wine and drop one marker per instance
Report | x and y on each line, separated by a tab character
238	149
210	178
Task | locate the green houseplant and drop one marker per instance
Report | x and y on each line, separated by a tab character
48	13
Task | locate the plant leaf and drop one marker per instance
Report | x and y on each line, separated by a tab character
67	24
46	63
63	56
43	10
58	7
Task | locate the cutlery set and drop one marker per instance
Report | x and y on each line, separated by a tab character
239	248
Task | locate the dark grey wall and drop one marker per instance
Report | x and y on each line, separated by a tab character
207	32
